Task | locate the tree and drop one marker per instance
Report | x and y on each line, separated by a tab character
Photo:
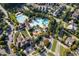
13	19
0	39
4	46
77	33
4	54
21	53
60	30
67	15
52	26
12	46
46	43
1	42
12	6
38	50
77	43
38	39
14	50
74	47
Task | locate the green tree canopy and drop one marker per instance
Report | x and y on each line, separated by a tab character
52	26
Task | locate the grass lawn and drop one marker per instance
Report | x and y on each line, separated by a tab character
63	51
13	18
54	45
34	53
50	54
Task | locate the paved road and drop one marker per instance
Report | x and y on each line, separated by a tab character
4	11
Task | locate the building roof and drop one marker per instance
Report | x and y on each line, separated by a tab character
69	41
75	15
72	25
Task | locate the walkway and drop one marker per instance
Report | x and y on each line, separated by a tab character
57	50
4	11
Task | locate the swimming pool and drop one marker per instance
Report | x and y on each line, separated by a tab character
21	18
39	21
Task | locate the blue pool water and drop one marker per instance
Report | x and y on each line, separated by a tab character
40	22
21	18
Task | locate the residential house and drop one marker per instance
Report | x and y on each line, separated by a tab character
69	41
72	25
20	40
59	10
41	7
75	15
